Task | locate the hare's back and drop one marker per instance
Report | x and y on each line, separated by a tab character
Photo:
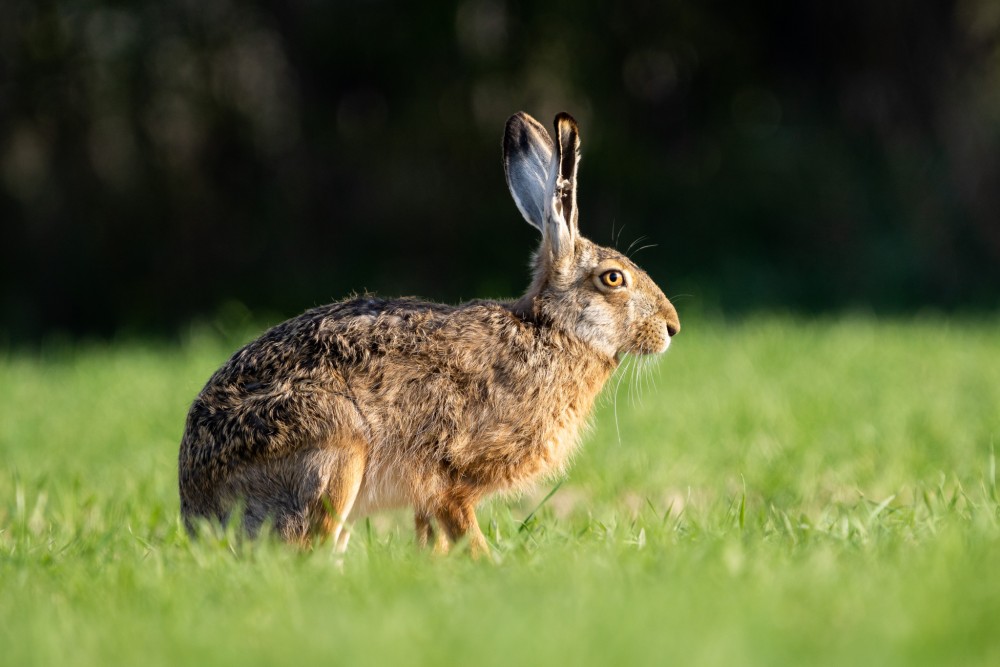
317	344
277	389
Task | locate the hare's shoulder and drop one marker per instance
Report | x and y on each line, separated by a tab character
373	321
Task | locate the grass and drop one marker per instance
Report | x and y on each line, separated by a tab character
774	491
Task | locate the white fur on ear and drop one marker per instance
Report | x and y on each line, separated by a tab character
528	154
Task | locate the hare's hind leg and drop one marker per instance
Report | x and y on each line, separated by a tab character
343	470
303	495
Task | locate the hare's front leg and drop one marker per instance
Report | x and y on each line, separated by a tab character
426	533
456	515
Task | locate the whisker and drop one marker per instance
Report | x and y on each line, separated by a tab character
631	381
638	377
642	376
651	368
631	384
638	383
638	240
637	395
638	250
618	384
634	384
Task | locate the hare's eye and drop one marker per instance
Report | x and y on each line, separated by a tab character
613	278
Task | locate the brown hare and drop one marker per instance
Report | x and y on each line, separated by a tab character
369	404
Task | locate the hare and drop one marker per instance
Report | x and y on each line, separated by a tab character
370	404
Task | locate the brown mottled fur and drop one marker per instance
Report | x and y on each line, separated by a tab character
369	404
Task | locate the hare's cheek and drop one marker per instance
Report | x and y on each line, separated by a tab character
598	326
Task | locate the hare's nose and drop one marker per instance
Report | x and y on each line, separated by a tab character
670	315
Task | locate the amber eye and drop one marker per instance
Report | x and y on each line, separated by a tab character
613	278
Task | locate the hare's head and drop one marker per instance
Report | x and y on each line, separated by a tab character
597	293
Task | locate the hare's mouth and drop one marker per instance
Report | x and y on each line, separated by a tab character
652	338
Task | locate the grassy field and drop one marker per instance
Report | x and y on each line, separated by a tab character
773	491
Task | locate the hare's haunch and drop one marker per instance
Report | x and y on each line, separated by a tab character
369	404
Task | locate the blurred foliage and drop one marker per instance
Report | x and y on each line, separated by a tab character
158	159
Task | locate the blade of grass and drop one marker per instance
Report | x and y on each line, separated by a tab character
531	514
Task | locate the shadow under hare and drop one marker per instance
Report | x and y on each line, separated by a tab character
369	404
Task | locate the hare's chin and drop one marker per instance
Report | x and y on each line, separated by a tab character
647	350
661	349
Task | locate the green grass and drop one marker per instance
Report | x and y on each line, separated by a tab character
775	491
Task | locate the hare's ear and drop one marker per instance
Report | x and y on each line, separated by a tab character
532	164
568	150
528	154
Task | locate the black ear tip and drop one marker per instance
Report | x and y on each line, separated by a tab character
566	130
517	133
516	119
562	116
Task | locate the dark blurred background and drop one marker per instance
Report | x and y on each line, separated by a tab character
161	159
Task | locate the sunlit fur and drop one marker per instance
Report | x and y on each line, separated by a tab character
369	404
